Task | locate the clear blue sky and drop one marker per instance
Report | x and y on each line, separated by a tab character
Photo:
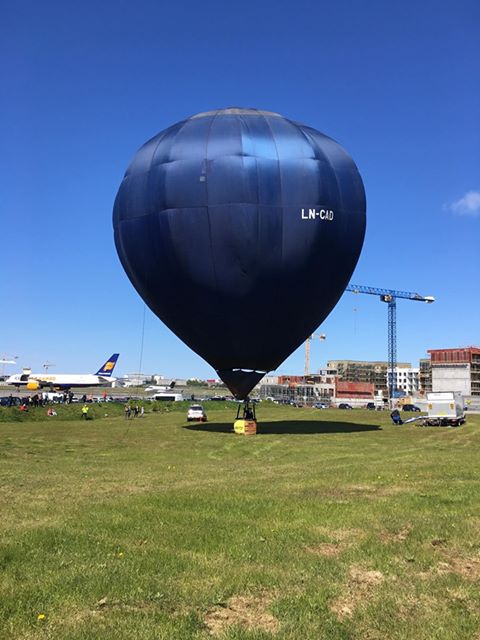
85	84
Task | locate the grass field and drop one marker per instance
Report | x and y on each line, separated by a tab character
326	525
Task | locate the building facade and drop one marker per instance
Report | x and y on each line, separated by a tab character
355	393
306	389
425	375
135	379
322	387
406	380
456	370
372	372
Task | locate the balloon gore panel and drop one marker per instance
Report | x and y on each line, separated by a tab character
240	229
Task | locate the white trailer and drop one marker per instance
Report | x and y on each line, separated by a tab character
445	408
166	397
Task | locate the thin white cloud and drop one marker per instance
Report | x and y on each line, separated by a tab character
469	205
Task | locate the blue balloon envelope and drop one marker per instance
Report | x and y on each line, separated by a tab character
240	229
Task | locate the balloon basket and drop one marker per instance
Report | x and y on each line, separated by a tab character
246	421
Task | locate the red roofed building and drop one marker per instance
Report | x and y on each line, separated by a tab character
456	369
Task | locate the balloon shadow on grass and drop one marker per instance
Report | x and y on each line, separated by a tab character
305	427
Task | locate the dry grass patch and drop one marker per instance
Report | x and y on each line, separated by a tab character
462	596
339	536
339	541
346	535
370	492
100	611
414	605
468	568
365	579
396	536
377	490
249	612
360	588
327	549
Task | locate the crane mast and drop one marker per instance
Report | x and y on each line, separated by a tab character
322	336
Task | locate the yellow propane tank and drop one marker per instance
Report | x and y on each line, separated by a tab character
245	427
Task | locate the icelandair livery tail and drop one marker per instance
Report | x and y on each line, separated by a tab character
106	370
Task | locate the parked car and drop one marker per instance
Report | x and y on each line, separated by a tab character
374	407
196	413
410	407
320	405
345	405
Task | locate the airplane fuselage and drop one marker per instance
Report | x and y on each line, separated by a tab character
156	389
65	381
58	381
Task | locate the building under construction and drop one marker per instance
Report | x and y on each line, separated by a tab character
324	387
359	382
374	372
318	387
425	377
456	369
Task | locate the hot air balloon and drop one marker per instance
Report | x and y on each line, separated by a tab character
240	229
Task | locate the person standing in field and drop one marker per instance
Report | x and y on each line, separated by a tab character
85	412
127	411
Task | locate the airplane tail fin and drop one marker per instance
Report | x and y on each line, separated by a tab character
106	369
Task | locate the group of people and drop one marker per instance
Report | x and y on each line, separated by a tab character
133	412
37	400
42	400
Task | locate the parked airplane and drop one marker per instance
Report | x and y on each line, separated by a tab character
35	381
156	389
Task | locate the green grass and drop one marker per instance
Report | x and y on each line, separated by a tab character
98	411
326	525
